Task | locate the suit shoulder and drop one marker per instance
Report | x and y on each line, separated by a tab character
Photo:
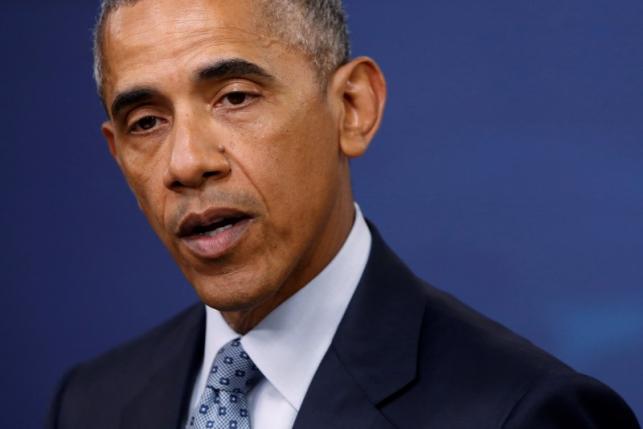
487	370
570	400
491	344
155	342
98	389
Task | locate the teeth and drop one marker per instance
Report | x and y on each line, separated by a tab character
218	230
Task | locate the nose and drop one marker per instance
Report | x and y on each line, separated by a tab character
195	156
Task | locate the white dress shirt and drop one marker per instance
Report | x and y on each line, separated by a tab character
289	344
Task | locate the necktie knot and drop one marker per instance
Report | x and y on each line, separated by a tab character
232	370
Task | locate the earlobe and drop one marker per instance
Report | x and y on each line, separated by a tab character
362	88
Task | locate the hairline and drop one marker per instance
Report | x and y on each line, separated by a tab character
322	71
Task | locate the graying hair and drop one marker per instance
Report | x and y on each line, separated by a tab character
317	27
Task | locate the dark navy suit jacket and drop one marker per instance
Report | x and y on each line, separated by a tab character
405	355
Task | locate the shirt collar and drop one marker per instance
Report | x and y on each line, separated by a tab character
289	344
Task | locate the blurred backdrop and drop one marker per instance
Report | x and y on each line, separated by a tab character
509	172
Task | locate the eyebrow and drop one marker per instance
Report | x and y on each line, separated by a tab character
131	98
233	67
223	69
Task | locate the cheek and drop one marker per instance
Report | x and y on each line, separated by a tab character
293	164
144	177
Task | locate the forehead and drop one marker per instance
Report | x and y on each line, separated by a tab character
151	36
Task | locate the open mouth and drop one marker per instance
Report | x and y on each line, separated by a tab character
214	232
217	226
211	222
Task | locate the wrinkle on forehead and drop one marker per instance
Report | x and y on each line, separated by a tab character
146	31
181	13
188	23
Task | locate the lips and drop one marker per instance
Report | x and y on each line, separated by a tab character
214	232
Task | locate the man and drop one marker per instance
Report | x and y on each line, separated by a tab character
233	122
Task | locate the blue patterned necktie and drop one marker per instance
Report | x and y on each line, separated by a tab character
224	404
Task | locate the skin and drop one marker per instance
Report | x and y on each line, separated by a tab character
277	148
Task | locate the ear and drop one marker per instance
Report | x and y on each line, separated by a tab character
361	89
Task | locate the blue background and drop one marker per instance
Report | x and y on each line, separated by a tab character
508	171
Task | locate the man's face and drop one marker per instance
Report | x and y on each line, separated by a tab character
228	143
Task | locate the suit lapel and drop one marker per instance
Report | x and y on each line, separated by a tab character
164	398
336	401
374	352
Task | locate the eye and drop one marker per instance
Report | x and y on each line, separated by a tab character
144	125
237	99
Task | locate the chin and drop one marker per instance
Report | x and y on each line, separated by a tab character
230	293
